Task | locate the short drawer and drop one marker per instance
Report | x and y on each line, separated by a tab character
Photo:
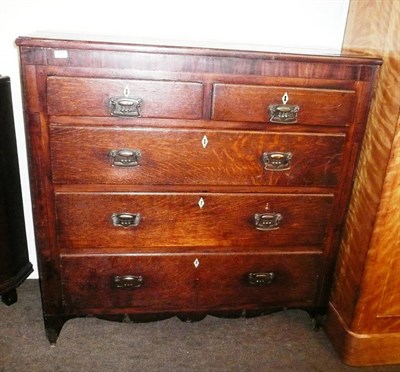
112	282
245	281
195	157
128	98
252	103
181	220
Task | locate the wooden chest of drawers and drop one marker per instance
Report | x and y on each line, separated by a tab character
171	180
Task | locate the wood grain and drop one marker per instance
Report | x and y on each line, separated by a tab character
162	288
218	282
119	56
223	280
70	133
251	102
90	97
365	295
176	220
81	155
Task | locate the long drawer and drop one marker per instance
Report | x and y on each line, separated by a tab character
135	220
129	98
283	105
188	282
197	157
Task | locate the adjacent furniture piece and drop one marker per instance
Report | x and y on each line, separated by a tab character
187	181
364	313
14	262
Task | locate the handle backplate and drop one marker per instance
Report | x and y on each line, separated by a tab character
125	158
277	161
260	279
125	219
283	113
125	106
267	221
128	281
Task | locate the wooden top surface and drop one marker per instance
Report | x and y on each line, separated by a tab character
174	47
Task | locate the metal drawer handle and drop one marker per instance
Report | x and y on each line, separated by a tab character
124	106
267	221
125	219
277	161
260	279
125	158
283	113
128	281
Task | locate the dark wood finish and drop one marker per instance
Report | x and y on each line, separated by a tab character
223	280
163	99
251	102
163	289
176	220
219	281
14	261
80	155
197	140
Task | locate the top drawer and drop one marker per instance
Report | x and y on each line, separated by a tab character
118	97
289	105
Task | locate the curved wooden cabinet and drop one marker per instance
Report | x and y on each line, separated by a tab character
188	181
364	312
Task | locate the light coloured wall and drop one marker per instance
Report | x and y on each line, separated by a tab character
304	26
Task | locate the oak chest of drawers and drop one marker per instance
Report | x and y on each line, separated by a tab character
188	181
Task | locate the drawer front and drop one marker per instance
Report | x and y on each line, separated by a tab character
252	103
257	280
205	282
130	98
113	283
82	155
112	220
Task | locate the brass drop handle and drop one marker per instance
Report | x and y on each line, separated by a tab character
125	158
283	113
126	220
260	279
124	106
267	221
128	281
277	161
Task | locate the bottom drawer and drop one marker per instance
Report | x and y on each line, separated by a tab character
188	282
